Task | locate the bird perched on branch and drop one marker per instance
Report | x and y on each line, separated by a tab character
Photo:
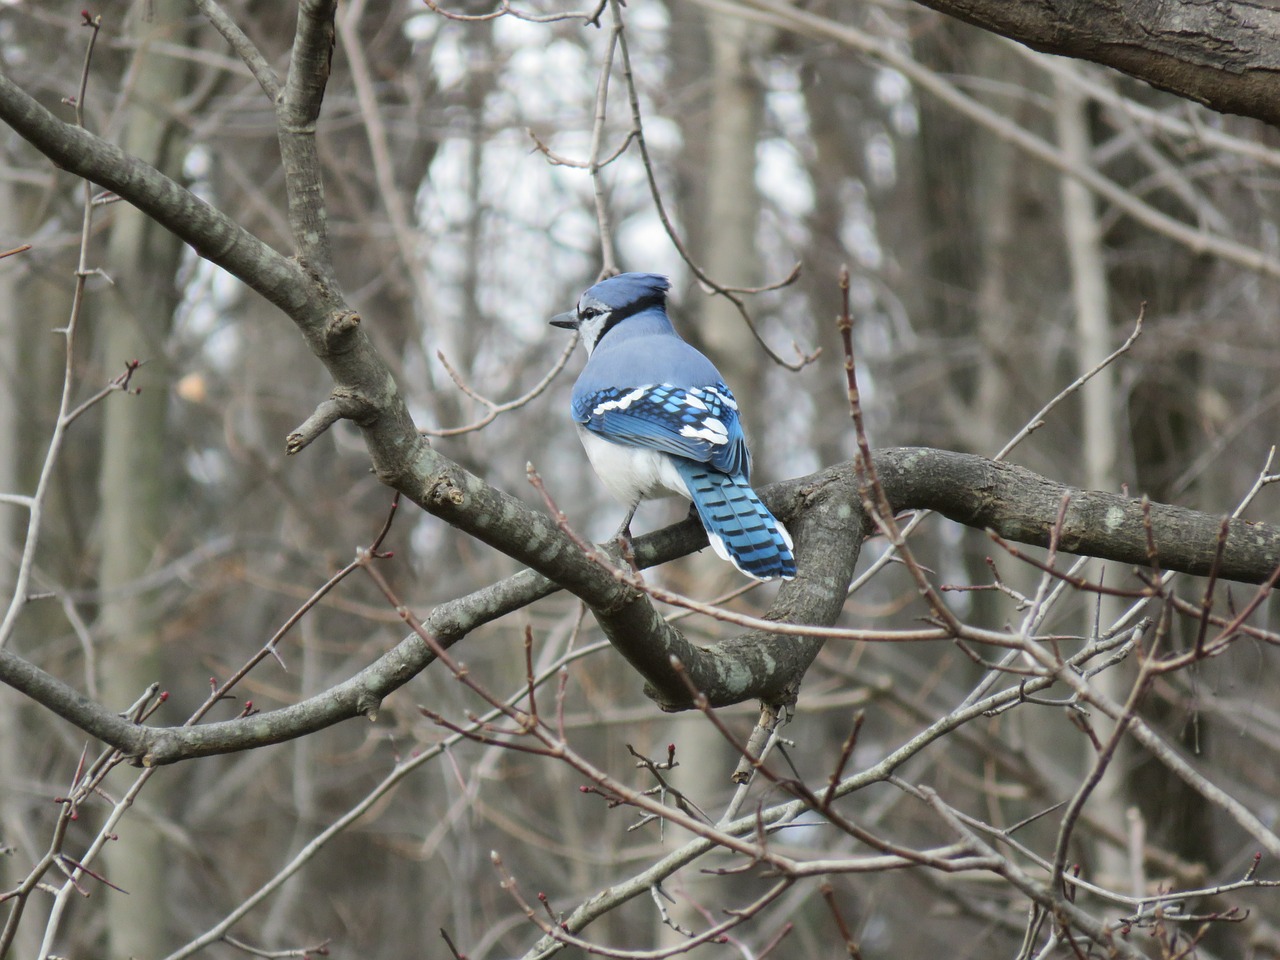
656	417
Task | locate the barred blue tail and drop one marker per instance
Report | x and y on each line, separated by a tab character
740	528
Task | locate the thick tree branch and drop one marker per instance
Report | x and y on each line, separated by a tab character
74	707
1021	505
297	113
825	513
1223	54
212	234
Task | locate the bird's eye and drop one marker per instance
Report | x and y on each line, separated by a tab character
588	313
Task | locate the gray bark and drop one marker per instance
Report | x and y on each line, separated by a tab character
1221	54
823	512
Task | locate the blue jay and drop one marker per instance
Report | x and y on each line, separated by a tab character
656	417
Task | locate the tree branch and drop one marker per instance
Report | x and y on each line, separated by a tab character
824	512
1021	505
1223	54
211	233
297	113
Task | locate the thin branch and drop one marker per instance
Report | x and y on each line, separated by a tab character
803	359
874	499
495	409
592	17
815	25
36	504
1038	419
245	48
609	256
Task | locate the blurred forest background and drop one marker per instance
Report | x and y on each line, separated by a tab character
177	537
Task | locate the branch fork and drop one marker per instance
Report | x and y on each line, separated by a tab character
358	410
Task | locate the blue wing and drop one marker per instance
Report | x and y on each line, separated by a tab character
697	423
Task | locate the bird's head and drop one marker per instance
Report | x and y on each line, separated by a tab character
610	302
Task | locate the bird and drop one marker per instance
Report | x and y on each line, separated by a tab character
656	417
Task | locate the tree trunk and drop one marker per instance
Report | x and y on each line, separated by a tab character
135	317
1100	441
727	250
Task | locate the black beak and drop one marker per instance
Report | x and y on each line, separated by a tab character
569	321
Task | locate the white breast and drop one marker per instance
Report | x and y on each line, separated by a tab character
632	474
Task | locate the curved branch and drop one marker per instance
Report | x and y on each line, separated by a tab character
1223	54
211	233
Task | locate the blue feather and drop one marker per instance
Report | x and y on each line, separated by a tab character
739	527
668	422
700	423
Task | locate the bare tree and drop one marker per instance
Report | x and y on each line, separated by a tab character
360	165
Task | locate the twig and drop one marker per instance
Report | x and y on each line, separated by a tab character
320	949
592	17
846	751
850	945
874	500
495	409
35	506
655	191
242	45
609	256
1100	764
1206	599
117	384
1038	418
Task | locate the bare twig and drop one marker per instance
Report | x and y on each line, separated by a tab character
592	17
874	499
730	294
242	45
36	504
495	409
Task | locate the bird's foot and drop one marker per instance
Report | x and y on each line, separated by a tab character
623	539
626	550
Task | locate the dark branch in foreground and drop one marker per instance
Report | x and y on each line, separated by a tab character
1021	505
1223	54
